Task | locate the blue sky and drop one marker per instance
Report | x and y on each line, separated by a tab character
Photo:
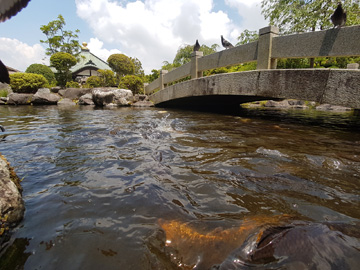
151	30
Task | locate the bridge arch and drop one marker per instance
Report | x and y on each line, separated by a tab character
334	86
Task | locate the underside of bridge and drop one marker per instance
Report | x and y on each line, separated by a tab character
218	103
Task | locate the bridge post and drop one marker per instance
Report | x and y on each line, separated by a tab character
194	72
264	60
161	77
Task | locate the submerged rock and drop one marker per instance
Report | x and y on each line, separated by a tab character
11	203
66	102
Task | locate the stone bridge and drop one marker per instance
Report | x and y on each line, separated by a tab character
333	86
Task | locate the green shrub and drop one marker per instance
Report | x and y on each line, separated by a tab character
72	84
42	70
27	82
107	77
3	93
93	81
133	83
62	61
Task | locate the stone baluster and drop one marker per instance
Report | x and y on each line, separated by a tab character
264	60
195	73
161	77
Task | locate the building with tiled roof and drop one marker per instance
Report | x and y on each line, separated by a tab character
87	65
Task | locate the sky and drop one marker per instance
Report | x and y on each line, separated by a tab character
150	30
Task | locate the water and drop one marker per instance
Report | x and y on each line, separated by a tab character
102	187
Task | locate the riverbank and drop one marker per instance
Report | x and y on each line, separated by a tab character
11	203
102	96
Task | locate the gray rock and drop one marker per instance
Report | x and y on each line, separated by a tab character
11	203
112	97
86	99
19	99
138	97
74	93
66	102
44	97
270	103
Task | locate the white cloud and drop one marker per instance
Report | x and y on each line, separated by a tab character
96	47
19	55
153	30
250	12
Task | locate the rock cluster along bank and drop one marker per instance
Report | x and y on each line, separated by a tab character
11	203
78	96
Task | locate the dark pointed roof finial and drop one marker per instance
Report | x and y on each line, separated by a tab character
226	44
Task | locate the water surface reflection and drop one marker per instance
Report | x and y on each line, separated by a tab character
99	185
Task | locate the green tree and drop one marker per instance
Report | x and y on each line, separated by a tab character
107	78
42	70
93	81
121	64
60	40
247	36
183	54
139	71
62	61
133	83
153	76
292	16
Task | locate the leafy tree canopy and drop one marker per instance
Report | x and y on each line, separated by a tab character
121	64
152	76
107	78
292	16
42	70
183	55
62	61
139	71
133	83
247	36
59	39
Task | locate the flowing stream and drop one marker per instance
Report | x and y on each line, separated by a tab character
103	188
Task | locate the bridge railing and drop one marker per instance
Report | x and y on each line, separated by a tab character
337	42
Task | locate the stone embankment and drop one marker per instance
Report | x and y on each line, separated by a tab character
78	96
11	203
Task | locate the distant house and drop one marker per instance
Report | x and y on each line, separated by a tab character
88	65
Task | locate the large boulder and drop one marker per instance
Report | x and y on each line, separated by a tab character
112	97
11	203
86	99
44	97
19	99
74	93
